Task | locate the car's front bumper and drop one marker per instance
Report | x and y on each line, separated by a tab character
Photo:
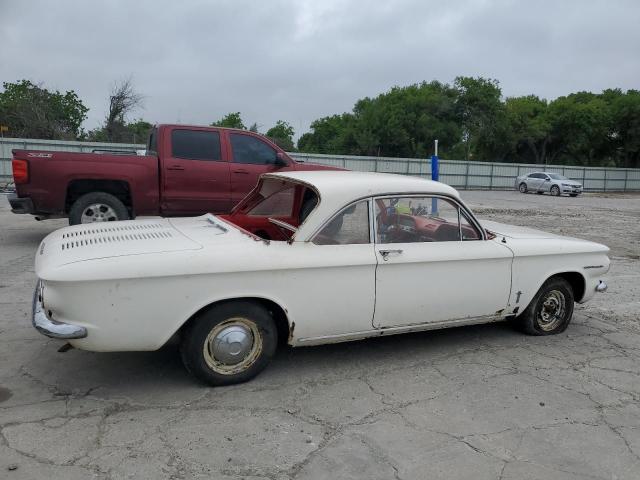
572	190
20	204
49	327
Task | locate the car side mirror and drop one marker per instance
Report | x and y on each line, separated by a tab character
281	160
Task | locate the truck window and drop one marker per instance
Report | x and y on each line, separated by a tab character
152	144
248	149
195	144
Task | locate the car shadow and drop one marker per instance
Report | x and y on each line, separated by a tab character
135	374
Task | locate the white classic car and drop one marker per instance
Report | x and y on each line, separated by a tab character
306	258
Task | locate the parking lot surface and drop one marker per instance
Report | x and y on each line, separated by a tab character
481	402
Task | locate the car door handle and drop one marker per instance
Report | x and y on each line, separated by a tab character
175	167
385	253
246	172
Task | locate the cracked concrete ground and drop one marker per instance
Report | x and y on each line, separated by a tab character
482	402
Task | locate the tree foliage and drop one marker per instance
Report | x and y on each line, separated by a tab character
473	121
230	120
31	111
123	100
282	134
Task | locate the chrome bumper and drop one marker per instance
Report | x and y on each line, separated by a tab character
49	327
601	287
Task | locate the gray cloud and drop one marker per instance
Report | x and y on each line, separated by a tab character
299	60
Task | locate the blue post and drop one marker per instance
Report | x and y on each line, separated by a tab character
435	174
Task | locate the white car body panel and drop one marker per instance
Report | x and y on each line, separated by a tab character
133	284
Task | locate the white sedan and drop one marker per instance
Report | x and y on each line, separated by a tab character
306	258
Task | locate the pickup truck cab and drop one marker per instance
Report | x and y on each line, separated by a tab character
186	170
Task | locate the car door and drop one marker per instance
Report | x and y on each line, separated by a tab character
434	265
195	174
250	158
337	285
533	181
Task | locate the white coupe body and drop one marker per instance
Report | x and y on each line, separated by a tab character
132	285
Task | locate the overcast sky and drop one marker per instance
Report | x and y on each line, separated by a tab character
195	61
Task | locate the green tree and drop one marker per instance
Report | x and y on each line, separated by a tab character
625	126
580	128
282	134
530	126
31	111
478	105
230	120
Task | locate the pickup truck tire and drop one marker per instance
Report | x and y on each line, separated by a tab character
97	207
229	343
551	309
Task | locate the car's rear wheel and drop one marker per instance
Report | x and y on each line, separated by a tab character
229	343
523	187
97	207
555	191
551	309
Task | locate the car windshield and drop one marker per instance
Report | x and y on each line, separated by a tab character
555	176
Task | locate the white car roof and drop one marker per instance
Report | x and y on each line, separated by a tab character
338	188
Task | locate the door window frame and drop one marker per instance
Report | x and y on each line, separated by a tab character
370	219
469	216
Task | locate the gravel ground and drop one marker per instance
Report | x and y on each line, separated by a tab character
482	402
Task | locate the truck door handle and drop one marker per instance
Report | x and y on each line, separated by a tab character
385	253
175	167
246	172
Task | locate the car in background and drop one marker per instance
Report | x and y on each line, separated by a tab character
307	258
554	183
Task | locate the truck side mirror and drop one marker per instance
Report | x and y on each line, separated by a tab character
281	160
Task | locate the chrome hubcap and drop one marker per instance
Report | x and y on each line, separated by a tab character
552	311
98	212
232	346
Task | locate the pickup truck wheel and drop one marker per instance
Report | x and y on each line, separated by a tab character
230	343
551	309
97	207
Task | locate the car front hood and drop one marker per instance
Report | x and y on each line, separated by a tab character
513	231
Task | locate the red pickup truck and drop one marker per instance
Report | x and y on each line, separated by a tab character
187	170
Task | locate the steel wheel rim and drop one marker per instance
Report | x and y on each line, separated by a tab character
552	310
98	212
232	346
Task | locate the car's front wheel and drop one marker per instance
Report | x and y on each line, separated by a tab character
555	191
551	309
229	343
523	187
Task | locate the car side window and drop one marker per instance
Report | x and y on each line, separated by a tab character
249	149
349	227
421	219
195	144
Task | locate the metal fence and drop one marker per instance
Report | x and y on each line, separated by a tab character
483	175
459	174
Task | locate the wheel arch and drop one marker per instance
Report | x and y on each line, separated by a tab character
280	315
118	188
575	279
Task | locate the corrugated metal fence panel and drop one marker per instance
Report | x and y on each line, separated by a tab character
457	173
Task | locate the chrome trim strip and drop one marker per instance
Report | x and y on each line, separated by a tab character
48	327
